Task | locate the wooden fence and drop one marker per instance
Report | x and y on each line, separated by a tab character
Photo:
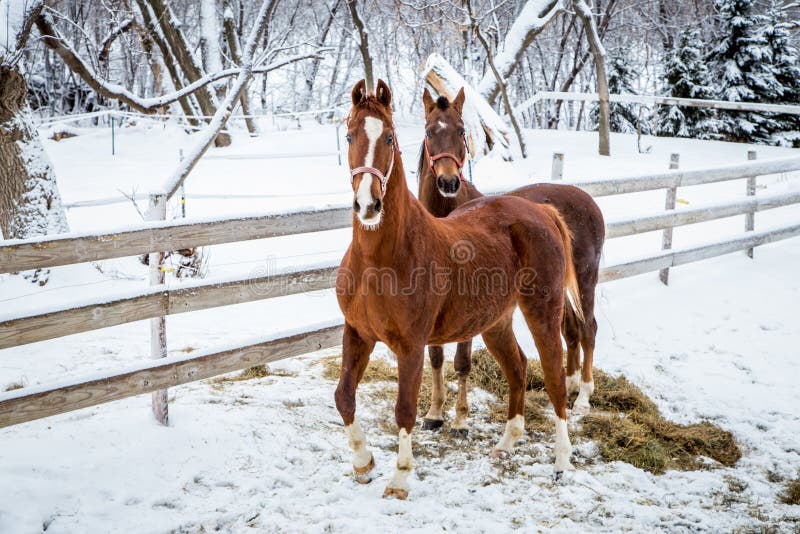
157	301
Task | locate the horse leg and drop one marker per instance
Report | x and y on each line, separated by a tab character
409	376
463	365
572	335
355	357
434	419
504	348
542	317
588	333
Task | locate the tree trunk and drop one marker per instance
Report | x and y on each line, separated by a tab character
500	83
180	49
30	204
363	45
313	70
235	50
531	21
598	53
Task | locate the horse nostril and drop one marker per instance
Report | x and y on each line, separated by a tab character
440	183
356	206
377	204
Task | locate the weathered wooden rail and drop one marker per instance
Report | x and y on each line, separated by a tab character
158	301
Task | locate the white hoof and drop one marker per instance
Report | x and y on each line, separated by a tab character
581	409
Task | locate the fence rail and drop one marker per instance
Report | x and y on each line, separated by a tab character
652	100
158	301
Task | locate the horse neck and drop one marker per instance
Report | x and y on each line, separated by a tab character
400	211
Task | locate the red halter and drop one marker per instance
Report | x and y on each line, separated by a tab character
459	163
384	178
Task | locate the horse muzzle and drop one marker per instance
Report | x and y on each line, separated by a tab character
448	185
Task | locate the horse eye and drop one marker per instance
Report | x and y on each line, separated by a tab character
349	139
389	140
428	134
461	132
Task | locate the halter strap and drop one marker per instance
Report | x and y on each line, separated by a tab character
384	178
459	163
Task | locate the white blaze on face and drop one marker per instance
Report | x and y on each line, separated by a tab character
442	125
373	127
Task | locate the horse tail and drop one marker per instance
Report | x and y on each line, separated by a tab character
572	293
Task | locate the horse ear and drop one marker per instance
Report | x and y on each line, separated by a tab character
458	103
384	94
359	93
427	101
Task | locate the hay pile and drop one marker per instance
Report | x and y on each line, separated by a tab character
380	370
625	424
791	495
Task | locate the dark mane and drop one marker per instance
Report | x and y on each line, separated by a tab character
442	103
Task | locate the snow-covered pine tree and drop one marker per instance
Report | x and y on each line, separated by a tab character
743	65
786	65
686	76
621	80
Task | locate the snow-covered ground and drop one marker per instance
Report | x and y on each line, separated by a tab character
721	343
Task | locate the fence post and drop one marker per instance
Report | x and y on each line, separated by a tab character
666	238
158	326
750	218
557	170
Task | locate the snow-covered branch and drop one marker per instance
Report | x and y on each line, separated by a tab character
532	20
118	92
226	109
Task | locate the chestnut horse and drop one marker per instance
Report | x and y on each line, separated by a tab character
409	279
442	189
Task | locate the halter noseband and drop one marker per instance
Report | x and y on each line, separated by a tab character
384	178
459	163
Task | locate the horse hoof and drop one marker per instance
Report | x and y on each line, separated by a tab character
395	493
432	424
499	453
363	475
459	432
581	409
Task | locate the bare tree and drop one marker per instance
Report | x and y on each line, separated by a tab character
598	53
30	203
363	44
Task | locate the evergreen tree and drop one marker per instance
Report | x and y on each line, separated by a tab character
687	77
786	64
621	79
744	68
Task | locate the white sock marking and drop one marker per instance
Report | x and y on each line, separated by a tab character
515	427
405	462
573	381
582	402
563	447
358	442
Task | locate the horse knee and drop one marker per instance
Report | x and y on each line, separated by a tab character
345	403
436	356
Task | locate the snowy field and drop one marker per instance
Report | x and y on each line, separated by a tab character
720	344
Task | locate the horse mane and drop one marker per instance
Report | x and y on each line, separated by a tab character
421	163
442	103
373	105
